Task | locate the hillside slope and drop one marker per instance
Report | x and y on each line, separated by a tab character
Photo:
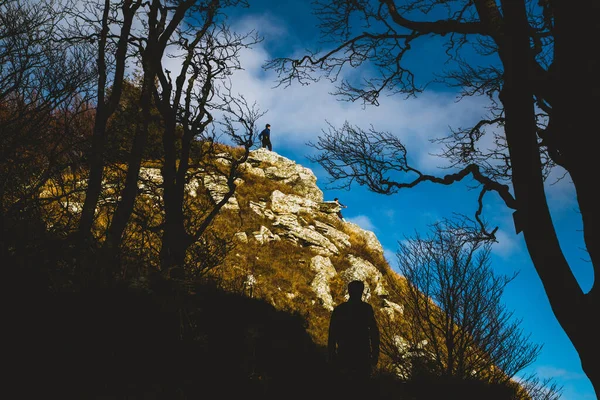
292	250
254	325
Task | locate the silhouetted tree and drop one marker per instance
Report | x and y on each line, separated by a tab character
94	23
523	54
123	123
201	90
209	54
44	120
453	316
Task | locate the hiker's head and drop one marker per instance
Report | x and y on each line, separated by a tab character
268	126
336	199
355	289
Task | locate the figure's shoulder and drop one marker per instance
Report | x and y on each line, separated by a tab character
340	308
368	307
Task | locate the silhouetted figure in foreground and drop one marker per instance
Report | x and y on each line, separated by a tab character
353	344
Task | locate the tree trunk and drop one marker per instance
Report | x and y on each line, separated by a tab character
104	111
576	79
130	191
96	156
175	238
175	242
95	175
533	215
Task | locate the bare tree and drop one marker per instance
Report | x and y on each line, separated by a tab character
453	312
190	103
222	166
43	104
159	26
207	53
543	90
100	33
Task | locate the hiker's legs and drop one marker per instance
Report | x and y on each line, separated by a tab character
266	143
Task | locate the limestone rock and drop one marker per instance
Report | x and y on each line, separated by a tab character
310	237
284	170
370	238
338	237
291	203
365	271
393	310
290	227
320	284
264	235
217	187
241	237
329	207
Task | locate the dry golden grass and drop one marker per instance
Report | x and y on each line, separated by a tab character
281	268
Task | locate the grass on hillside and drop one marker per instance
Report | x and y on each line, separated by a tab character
281	269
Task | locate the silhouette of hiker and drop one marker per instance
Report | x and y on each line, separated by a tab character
339	213
353	344
265	137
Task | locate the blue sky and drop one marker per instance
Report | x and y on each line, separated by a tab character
298	114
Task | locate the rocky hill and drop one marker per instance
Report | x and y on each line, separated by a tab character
251	322
256	327
292	249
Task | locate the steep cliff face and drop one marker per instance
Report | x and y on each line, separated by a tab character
292	249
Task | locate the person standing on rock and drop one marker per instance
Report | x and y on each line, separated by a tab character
353	343
339	213
265	137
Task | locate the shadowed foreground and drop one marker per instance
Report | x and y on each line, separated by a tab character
125	344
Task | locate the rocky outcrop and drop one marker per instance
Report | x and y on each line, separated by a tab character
303	219
324	271
217	188
299	218
271	165
285	216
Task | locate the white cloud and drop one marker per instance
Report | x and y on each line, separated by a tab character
404	242
267	26
298	113
508	244
363	221
390	256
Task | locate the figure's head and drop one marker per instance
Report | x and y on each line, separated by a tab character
336	199
268	126
355	289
